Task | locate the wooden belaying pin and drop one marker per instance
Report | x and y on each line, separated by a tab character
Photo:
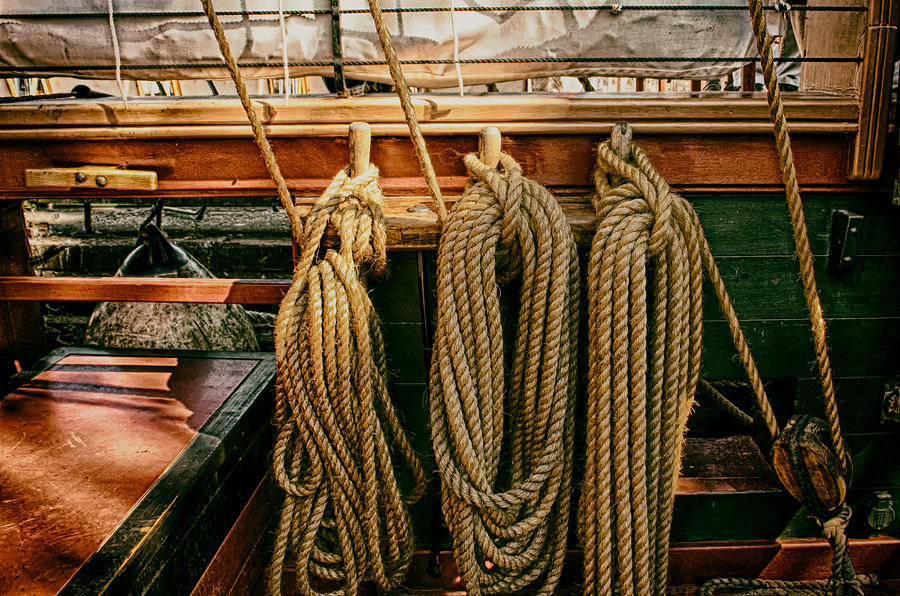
360	148
620	139
489	146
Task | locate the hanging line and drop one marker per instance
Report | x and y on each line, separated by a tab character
459	77
116	52
284	52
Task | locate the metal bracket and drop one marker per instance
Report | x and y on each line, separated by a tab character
846	228
881	513
890	403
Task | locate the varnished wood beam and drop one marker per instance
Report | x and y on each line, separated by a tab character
431	110
561	162
875	90
141	289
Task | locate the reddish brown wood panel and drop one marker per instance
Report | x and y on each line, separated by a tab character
82	442
690	564
234	166
22	339
241	558
139	289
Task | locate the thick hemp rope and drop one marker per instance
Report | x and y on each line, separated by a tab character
344	517
509	523
843	581
644	366
644	363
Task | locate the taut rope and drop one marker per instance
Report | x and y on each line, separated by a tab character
343	518
509	526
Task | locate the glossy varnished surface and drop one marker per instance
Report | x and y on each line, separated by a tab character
82	441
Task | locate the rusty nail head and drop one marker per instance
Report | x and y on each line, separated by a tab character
80	177
101	181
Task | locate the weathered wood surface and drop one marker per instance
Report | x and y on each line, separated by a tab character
830	34
22	339
471	112
876	77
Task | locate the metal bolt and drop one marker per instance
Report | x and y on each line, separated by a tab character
101	181
417	209
80	177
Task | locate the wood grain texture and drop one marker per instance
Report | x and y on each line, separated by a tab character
831	34
875	90
93	177
561	162
22	337
474	111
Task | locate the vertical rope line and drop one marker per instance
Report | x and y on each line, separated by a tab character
116	52
415	132
459	77
258	132
801	235
284	51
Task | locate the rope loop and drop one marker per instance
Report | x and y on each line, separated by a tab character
340	440
509	522
353	206
618	180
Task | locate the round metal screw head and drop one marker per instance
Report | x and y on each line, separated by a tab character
101	181
80	177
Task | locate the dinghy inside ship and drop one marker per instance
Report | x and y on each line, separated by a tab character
491	369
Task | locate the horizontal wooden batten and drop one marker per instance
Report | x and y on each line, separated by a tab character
558	161
142	289
428	129
430	109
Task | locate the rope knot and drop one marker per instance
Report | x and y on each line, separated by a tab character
634	187
506	187
353	207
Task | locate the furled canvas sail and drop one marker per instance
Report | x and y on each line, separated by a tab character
45	37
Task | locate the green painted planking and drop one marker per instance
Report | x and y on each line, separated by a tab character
768	287
782	348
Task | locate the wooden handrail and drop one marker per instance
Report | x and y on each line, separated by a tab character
142	289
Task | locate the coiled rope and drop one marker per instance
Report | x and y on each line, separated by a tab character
509	526
344	517
644	366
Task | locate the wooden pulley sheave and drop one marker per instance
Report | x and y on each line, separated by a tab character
808	467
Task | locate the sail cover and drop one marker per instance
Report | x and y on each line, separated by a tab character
171	39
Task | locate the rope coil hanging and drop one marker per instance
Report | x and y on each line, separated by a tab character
509	526
344	517
645	329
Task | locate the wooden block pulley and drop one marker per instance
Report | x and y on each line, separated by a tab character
807	466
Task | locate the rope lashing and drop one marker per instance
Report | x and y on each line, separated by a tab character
509	526
344	517
409	112
801	235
